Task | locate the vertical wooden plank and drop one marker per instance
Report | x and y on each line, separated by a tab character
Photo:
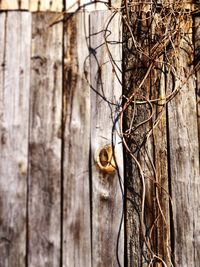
144	149
100	6
184	150
161	166
138	120
132	186
46	5
14	4
76	135
24	4
162	196
7	4
89	5
72	5
116	3
107	200
196	65
15	42
56	5
148	220
44	201
2	52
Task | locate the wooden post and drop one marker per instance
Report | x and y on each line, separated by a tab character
143	66
196	65
197	68
138	120
159	131
184	148
76	150
44	187
106	93
15	43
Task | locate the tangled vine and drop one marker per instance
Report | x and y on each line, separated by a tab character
158	61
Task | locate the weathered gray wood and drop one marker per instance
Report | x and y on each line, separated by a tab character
161	166
89	5
133	186
184	153
15	36
32	5
76	136
197	67
71	5
107	203
116	3
141	202
44	202
100	6
14	4
148	220
46	5
147	226
161	179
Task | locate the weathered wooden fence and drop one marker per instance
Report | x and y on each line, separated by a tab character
61	107
57	208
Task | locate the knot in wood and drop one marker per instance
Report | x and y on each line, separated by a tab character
105	159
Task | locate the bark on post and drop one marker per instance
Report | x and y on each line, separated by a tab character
145	48
140	186
197	66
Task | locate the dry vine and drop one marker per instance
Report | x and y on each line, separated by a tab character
155	36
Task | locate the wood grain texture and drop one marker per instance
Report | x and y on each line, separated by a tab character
55	5
107	200
197	190
184	153
132	186
138	221
76	136
32	5
46	5
14	4
161	165
197	66
100	6
72	5
116	3
162	195
44	202
89	5
15	43
146	151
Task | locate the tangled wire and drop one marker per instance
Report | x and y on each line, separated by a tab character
157	63
158	60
